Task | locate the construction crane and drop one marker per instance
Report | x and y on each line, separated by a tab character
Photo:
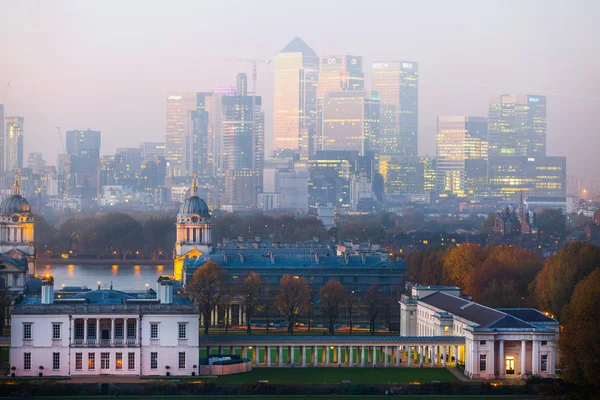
61	139
254	62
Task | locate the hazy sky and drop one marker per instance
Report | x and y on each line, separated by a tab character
107	64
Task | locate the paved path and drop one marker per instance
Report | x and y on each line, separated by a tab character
456	372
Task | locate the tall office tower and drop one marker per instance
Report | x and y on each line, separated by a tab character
349	121
340	73
398	86
177	107
216	145
152	150
241	85
458	139
295	99
238	151
2	149
83	148
14	143
195	154
205	103
517	126
36	162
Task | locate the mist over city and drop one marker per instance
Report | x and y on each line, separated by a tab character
202	198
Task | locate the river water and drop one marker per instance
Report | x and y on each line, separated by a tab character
122	277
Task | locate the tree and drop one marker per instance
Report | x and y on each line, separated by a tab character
579	346
350	307
552	221
503	278
293	299
460	262
488	224
332	297
206	286
372	299
251	290
554	284
268	303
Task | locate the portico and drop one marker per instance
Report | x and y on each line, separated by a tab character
100	331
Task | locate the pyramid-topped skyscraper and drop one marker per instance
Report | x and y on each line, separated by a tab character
295	112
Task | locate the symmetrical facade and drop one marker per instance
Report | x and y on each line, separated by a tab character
499	343
105	332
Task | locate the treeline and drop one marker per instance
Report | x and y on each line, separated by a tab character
292	300
565	286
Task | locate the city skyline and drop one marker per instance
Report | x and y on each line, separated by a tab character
127	62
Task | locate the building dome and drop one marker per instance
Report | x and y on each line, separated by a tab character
194	204
15	204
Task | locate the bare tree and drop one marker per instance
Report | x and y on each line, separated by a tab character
206	286
373	300
293	299
332	296
251	290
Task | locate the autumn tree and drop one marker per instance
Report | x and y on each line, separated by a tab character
332	297
554	284
267	303
293	299
579	346
460	262
503	278
488	224
206	286
372	301
552	221
251	290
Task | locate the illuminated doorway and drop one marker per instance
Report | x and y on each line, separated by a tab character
510	365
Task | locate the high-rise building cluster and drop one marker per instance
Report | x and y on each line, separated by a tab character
336	142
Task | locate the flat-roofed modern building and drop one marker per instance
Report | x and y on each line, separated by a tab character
398	85
105	332
499	343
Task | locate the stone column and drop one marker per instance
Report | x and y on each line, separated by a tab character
444	356
229	315
409	358
397	356
256	355
280	361
98	332
216	316
374	356
315	355
291	357
421	355
456	355
244	352
339	355
385	356
523	357
327	355
112	331
492	362
362	356
502	369
304	355
433	356
535	363
268	356
201	320
240	321
350	356
72	328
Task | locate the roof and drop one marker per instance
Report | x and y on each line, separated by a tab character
528	315
510	322
15	204
106	297
257	339
466	309
297	45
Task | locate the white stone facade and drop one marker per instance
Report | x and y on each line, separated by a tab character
500	343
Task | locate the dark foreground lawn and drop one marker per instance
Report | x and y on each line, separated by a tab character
290	397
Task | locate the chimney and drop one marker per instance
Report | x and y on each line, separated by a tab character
48	290
166	291
272	257
316	257
363	258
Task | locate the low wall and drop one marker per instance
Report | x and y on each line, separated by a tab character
230	369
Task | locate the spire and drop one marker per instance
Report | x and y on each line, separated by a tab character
194	191
16	185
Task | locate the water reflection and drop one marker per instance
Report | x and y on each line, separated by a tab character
122	277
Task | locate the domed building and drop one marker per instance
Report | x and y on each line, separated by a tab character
193	231
17	246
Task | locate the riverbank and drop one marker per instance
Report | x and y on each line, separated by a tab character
87	261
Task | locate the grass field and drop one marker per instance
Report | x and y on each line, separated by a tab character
294	397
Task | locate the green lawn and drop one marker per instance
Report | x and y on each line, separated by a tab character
293	397
337	375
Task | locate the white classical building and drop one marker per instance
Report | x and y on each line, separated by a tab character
499	343
105	332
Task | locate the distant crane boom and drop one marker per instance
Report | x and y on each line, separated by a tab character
252	61
61	139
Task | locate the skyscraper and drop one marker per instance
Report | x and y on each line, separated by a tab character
295	97
177	107
83	168
398	86
349	121
517	126
458	139
14	143
339	73
2	149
